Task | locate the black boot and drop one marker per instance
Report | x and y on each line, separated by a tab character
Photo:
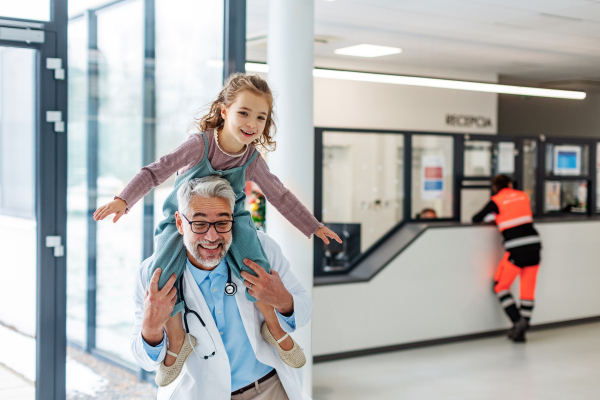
517	333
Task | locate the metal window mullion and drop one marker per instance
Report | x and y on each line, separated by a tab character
51	210
408	165
149	120
318	200
459	147
234	37
93	99
148	128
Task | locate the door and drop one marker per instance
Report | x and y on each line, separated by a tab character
32	207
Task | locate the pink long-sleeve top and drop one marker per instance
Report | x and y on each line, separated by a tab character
191	153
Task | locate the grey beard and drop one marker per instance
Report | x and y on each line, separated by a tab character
192	247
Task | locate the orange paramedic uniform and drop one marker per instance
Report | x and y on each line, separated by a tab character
523	245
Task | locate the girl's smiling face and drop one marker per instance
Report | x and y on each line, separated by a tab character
245	120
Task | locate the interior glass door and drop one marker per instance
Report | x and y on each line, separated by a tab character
18	223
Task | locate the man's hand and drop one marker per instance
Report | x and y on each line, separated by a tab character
158	306
268	288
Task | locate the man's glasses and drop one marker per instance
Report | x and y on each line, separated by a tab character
200	227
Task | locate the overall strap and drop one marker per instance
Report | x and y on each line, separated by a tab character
205	145
251	159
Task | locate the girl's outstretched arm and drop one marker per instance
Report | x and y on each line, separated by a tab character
189	153
286	203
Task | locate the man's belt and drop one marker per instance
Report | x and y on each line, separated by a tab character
252	385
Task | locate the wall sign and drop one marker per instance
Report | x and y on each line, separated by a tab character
468	121
432	176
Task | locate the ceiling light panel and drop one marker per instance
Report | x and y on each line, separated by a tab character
368	50
433	83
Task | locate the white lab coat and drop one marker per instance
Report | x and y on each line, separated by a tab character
211	379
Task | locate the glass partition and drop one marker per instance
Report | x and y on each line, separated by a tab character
432	174
362	191
478	159
566	188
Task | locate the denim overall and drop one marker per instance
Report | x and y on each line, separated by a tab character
171	255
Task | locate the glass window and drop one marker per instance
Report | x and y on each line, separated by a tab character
186	81
478	158
362	190
432	174
119	251
38	10
77	196
18	225
530	170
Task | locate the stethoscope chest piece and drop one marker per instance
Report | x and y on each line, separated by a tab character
230	288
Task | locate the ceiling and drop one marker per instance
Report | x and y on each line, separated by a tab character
538	42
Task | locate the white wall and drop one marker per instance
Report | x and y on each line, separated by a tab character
366	105
441	286
351	104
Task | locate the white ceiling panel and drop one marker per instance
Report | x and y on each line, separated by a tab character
525	40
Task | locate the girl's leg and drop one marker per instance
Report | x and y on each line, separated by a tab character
273	324
176	335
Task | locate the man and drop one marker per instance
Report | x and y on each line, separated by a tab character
522	258
244	365
427	213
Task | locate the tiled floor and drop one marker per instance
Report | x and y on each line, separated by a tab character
14	387
555	364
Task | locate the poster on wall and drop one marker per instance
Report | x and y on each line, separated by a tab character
506	158
552	202
567	160
432	176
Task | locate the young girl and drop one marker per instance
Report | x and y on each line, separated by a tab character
239	120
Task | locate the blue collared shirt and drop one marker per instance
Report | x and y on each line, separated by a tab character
245	367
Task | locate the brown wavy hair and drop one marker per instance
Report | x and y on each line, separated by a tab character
236	84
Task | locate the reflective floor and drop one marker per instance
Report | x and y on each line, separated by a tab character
15	387
554	364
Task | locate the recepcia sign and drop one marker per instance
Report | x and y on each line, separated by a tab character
468	121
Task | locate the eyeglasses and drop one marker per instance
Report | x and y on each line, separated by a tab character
200	227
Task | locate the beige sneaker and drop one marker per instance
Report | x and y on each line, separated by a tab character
294	358
166	375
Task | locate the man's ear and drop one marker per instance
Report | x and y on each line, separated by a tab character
179	222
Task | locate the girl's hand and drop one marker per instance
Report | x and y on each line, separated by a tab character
116	207
324	232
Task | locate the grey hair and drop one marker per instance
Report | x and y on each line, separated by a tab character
208	187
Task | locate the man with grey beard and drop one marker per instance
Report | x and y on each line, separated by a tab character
230	359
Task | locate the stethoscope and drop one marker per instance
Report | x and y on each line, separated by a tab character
230	290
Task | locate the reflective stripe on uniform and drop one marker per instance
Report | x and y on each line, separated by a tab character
515	222
522	241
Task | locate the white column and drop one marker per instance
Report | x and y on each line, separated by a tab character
290	61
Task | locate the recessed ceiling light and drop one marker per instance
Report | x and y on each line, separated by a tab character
368	50
433	82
